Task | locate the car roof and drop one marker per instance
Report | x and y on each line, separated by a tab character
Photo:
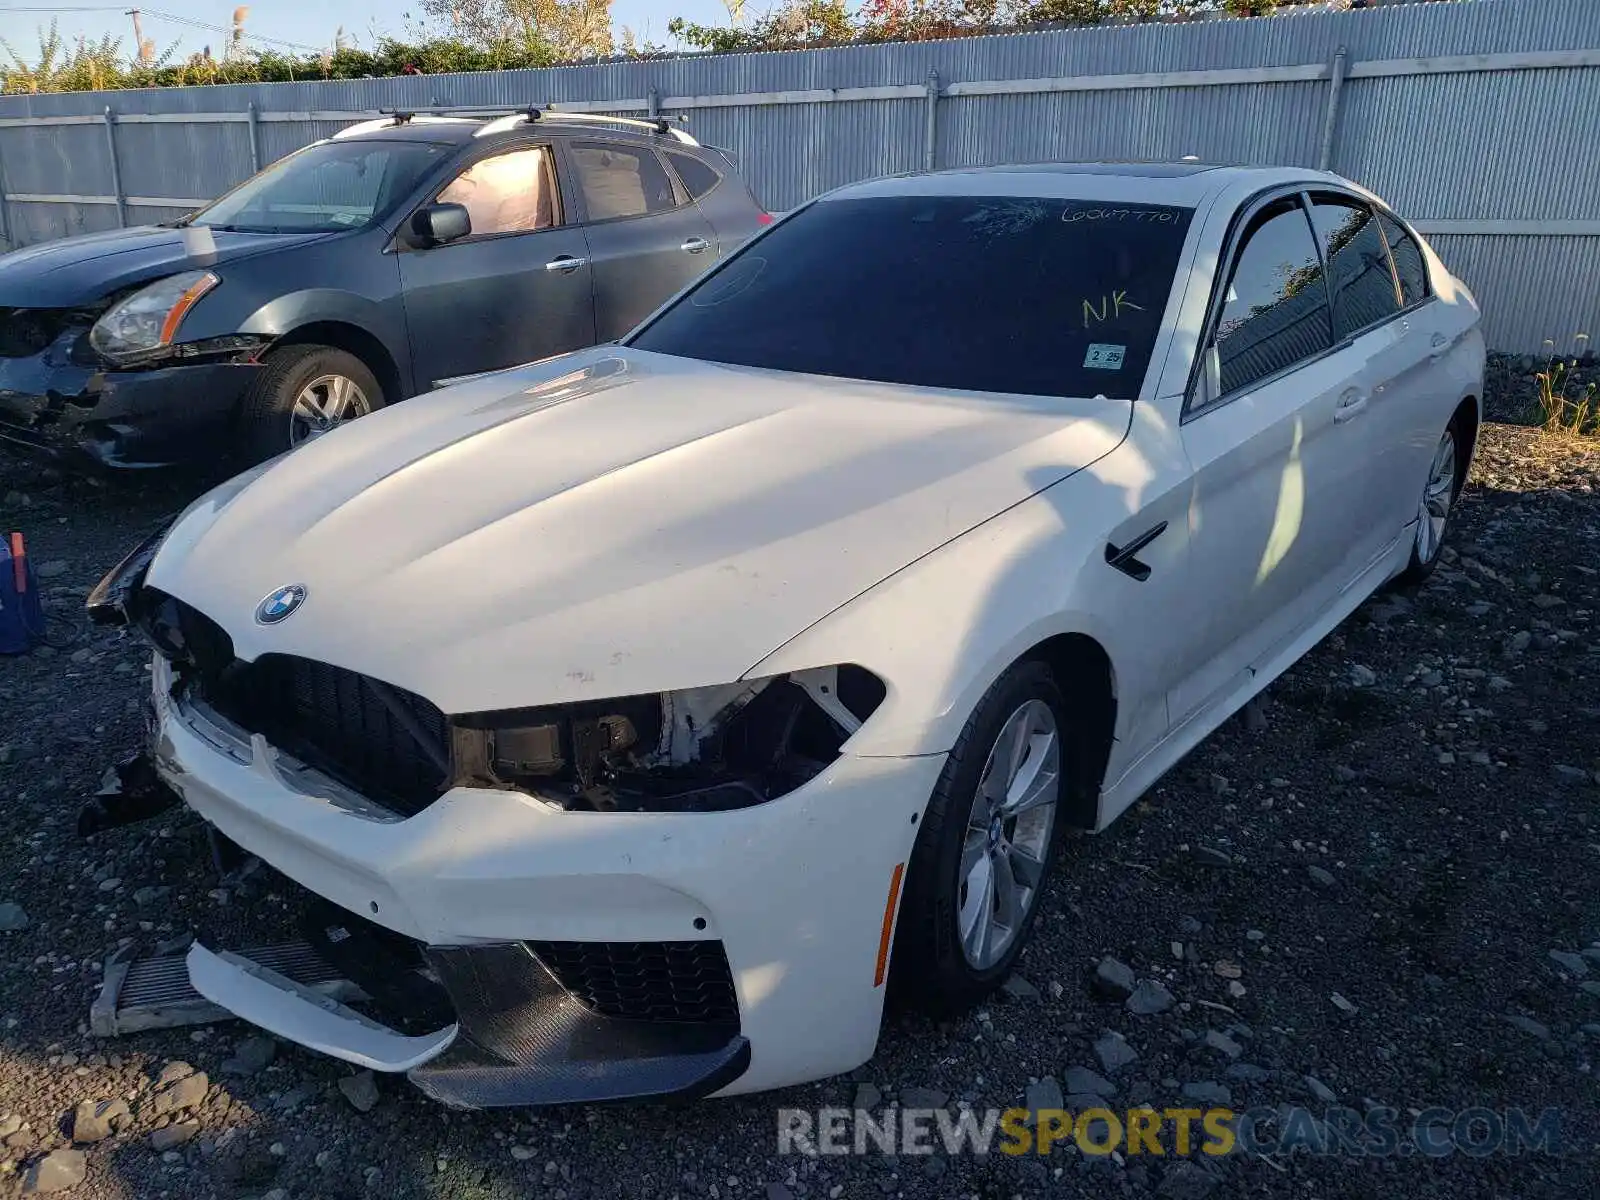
459	131
1186	183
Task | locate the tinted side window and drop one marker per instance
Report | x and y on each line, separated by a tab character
1276	309
1359	278
697	177
1408	264
508	193
622	181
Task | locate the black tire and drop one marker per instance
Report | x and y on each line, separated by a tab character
929	972
265	414
1425	559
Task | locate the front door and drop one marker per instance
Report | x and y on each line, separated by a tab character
1269	524
647	238
515	289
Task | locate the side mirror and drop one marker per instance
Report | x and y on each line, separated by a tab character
1208	387
440	223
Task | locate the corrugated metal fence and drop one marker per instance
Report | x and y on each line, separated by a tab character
1477	120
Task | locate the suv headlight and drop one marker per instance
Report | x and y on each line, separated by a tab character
146	322
705	749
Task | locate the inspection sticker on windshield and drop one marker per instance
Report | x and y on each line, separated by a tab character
1104	357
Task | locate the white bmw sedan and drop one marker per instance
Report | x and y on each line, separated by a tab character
641	718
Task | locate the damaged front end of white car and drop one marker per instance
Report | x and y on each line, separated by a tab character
274	751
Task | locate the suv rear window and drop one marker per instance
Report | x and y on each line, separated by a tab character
697	178
621	181
1000	294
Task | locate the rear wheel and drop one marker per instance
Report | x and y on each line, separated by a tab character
1435	505
301	393
986	847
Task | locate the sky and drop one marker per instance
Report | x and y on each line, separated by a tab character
309	23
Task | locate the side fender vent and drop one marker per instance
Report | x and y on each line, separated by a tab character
1124	559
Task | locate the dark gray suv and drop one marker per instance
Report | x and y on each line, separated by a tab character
360	270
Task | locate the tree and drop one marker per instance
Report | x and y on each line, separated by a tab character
85	66
800	23
797	23
571	29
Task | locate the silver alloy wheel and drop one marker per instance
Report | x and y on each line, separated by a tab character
1008	834
1434	512
325	403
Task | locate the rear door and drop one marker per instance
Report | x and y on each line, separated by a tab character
721	195
1379	424
1431	382
647	237
517	288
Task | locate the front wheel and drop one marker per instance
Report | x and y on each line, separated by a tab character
301	393
986	847
1435	505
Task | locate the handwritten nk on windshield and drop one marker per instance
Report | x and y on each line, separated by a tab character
1110	308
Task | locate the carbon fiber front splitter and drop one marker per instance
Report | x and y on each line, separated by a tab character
518	1039
524	1040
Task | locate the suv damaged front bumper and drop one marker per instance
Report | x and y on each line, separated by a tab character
59	403
576	956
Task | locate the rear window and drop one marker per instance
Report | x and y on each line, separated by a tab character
1001	294
621	181
1408	264
698	179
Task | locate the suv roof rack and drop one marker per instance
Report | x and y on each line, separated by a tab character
393	119
661	126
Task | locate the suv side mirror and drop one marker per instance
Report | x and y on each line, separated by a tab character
437	224
1208	387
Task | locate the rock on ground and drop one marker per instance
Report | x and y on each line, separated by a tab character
361	1090
251	1056
173	1135
1149	998
1114	1052
1046	1094
96	1120
187	1091
55	1172
1113	979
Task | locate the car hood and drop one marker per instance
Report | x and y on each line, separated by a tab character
608	523
81	270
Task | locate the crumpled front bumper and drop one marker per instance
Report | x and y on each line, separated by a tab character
54	405
795	891
519	1039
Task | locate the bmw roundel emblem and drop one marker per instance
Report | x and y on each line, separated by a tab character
279	604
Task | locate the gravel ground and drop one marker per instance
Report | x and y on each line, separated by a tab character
1361	882
1511	393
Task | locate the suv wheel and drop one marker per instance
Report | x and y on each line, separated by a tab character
302	393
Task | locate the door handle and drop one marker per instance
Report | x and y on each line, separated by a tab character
1437	347
1351	404
565	263
694	245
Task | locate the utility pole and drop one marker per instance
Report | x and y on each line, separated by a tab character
138	36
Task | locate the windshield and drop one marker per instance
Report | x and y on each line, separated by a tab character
999	294
327	186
